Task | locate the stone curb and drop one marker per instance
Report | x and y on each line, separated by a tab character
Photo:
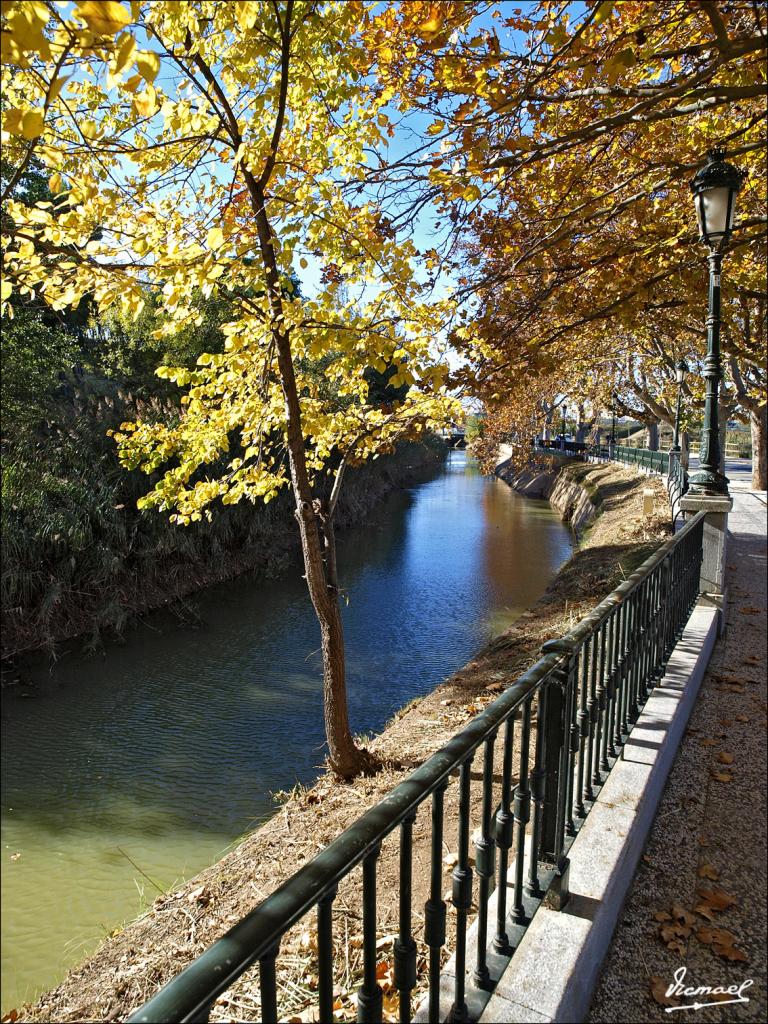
552	976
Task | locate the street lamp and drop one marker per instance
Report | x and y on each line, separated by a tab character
613	419
714	194
681	370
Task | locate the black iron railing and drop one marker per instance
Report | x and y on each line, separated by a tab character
559	726
677	483
654	462
557	445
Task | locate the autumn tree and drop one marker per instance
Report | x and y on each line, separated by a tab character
215	149
565	136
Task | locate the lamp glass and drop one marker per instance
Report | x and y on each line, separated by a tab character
680	372
715	210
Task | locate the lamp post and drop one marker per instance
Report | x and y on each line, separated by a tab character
681	370
613	420
563	431
714	193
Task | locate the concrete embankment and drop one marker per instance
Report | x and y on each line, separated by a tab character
564	484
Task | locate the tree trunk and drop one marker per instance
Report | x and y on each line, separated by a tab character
652	435
345	757
547	434
758	422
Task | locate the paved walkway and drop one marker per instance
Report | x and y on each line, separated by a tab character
710	830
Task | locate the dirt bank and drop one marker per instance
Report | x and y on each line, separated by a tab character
173	563
132	964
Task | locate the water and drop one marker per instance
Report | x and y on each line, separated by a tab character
139	767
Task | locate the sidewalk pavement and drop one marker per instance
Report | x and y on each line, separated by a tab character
707	848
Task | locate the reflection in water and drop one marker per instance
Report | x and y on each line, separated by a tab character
165	750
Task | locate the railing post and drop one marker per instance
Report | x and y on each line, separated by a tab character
560	744
405	946
268	986
485	862
435	908
325	954
462	895
504	832
370	997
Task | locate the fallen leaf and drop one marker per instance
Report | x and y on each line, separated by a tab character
725	758
662	915
681	914
709	742
659	987
750	609
15	856
722	776
742	718
451	860
717	898
385	975
751	659
677	946
709	871
705	910
199	895
730	952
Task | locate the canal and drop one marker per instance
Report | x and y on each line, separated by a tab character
137	767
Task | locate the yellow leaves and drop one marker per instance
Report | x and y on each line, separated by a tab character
435	128
25	30
133	83
604	11
12	121
31	124
246	14
26	249
432	24
145	103
125	52
25	122
10	51
56	86
89	129
615	67
148	65
215	238
104	17
6	288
